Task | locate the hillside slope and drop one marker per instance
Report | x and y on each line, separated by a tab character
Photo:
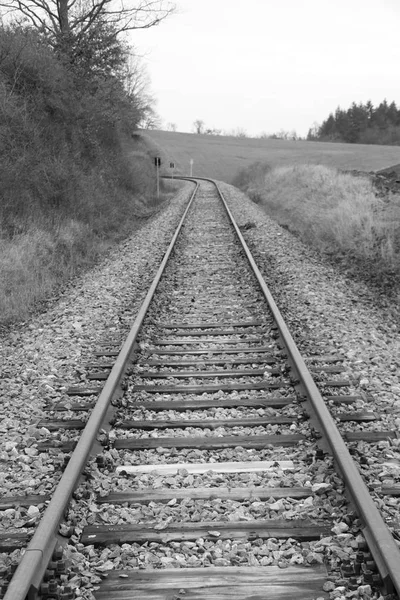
221	157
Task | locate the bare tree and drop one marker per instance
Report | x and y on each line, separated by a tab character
240	132
171	127
213	131
198	126
150	120
64	19
282	134
137	84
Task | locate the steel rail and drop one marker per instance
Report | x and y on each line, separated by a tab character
380	541
34	560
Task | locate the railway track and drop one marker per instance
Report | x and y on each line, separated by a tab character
214	459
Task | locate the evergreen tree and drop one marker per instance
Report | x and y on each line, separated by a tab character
361	123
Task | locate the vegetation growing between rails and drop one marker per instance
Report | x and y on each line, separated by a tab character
335	212
73	181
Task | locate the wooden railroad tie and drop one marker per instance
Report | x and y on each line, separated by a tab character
205	325
54	424
197	403
253	493
204	388
301	529
211	443
215	583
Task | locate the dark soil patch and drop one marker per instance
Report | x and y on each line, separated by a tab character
386	181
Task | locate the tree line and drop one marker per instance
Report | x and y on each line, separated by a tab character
201	128
360	124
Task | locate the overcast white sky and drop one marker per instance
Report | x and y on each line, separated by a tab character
266	65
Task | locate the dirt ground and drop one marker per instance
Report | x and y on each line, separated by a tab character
387	180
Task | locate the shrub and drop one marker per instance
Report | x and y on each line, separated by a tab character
251	176
71	178
332	211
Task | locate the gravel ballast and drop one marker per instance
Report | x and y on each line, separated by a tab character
42	358
326	312
327	315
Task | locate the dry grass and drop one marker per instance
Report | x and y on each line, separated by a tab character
33	264
73	181
40	259
221	157
334	212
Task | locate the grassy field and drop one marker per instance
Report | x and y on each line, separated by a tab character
221	157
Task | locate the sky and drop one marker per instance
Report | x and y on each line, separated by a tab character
270	65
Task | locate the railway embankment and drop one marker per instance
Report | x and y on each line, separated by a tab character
73	180
42	356
328	314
